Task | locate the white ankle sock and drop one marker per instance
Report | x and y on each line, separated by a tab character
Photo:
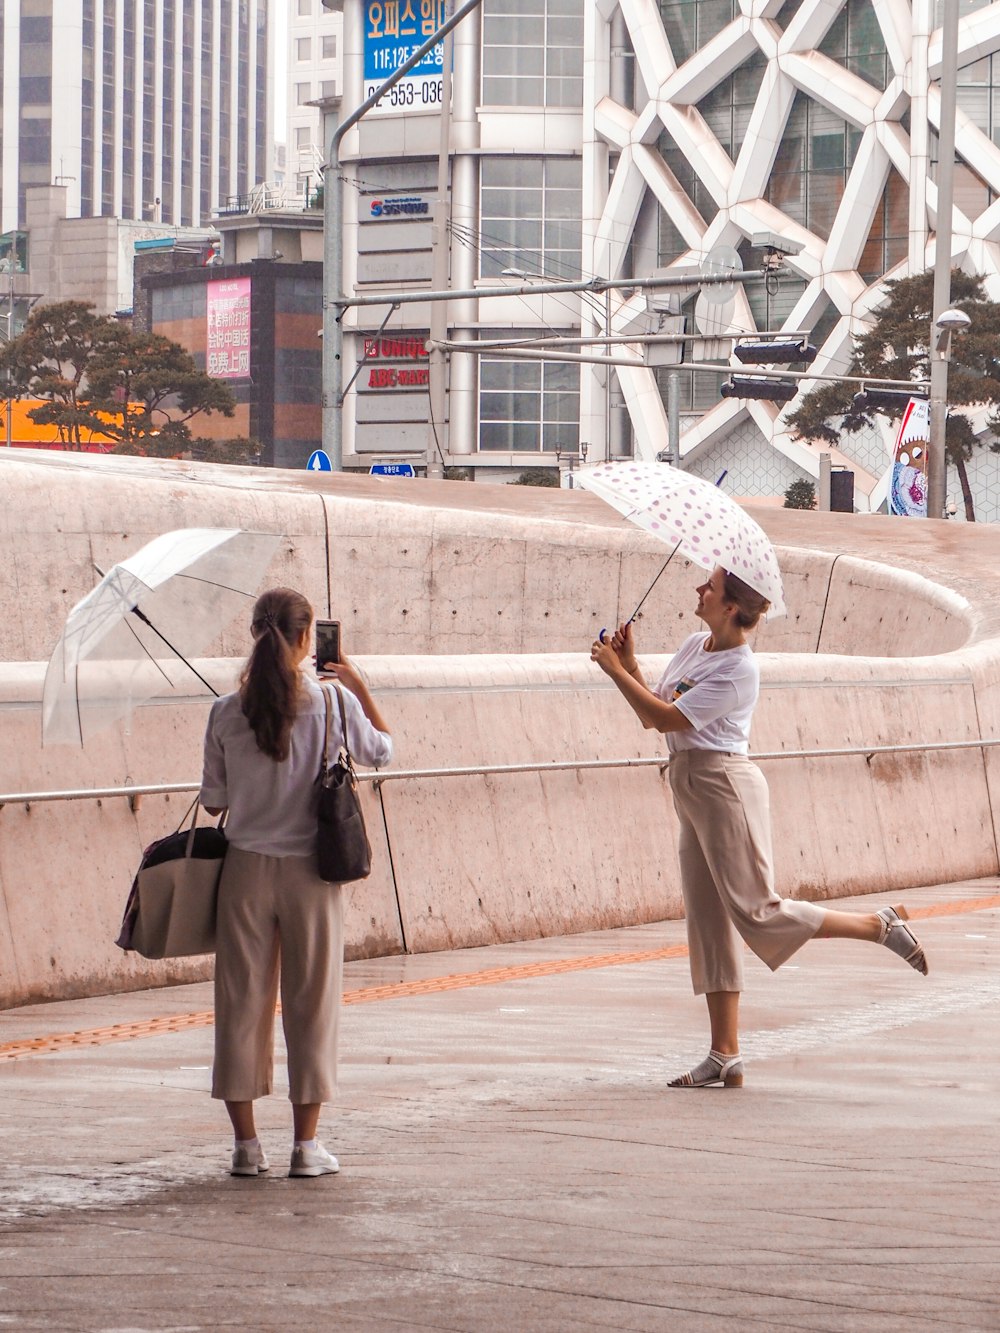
310	1144
248	1143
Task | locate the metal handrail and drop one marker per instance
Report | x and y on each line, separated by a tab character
489	770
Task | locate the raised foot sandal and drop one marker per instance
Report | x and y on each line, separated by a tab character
716	1070
898	937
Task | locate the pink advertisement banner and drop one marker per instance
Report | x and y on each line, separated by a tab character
228	312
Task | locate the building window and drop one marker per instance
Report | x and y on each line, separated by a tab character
887	243
726	110
690	24
528	406
533	53
303	136
328	88
304	8
812	164
328	46
530	210
855	41
303	48
303	93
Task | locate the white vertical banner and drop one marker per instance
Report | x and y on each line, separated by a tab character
908	477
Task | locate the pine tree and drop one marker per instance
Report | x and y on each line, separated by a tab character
896	347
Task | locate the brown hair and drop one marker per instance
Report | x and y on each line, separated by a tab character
750	604
269	685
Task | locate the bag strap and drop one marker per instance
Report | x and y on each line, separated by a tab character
194	807
345	747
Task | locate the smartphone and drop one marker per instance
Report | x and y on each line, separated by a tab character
327	643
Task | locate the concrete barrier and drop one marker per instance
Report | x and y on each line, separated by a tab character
474	860
472	569
473	598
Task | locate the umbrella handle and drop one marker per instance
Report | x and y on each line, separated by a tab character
632	617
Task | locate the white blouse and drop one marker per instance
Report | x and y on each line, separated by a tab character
272	806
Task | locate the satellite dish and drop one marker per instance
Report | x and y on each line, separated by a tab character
715	321
715	308
719	261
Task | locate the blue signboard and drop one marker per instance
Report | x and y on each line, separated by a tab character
394	31
391	470
319	462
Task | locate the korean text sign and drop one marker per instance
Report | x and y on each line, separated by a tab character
394	31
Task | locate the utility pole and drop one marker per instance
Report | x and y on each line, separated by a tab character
937	461
437	369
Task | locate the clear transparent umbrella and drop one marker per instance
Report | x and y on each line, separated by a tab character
132	636
692	516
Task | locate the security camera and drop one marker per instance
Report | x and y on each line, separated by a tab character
772	240
954	321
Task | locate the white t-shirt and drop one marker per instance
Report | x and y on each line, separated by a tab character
272	806
716	692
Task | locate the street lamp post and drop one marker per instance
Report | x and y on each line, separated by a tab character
940	354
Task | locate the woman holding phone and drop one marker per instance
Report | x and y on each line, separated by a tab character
276	917
703	703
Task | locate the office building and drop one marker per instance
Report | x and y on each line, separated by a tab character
146	109
621	141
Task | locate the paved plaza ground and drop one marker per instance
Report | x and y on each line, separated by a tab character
512	1159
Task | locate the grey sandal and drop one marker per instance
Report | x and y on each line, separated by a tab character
716	1070
898	937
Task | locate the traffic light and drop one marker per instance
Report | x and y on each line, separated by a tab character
756	386
894	400
783	351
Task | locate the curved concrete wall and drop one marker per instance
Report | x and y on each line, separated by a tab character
870	654
472	569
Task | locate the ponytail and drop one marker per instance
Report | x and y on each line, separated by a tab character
269	685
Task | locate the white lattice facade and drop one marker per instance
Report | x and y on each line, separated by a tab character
619	137
816	120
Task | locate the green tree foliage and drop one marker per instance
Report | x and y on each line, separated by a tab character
801	495
49	360
537	476
96	375
896	347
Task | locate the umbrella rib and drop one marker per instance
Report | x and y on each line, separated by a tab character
176	651
136	611
214	583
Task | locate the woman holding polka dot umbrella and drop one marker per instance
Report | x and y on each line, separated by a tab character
703	703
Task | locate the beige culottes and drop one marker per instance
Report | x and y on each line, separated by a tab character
726	872
277	916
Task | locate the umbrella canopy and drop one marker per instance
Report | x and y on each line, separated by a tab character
694	517
125	641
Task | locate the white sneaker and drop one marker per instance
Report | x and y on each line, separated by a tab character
249	1161
313	1162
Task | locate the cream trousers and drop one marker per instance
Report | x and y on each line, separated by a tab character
277	917
726	872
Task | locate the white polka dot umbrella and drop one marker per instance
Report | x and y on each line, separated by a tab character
694	517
